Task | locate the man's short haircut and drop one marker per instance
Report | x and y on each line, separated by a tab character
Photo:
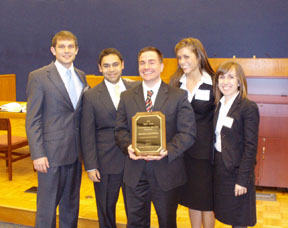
154	49
64	35
109	51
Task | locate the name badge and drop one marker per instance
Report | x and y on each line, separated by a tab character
203	95
228	122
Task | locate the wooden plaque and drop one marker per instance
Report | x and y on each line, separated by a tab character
148	133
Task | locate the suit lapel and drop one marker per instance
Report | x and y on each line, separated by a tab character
84	86
55	78
162	97
216	114
106	98
232	109
81	78
139	98
125	83
234	105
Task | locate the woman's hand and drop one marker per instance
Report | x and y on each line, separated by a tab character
239	190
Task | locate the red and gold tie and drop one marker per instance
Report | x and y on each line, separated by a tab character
148	102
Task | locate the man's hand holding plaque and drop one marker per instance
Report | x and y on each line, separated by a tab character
148	136
133	156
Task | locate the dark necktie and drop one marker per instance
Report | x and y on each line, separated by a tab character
148	102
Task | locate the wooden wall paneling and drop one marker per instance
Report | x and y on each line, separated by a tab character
273	120
267	68
8	87
272	156
94	80
258	67
273	163
253	67
257	167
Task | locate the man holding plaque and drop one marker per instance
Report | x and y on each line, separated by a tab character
103	159
154	178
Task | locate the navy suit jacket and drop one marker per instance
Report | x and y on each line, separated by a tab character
239	143
180	134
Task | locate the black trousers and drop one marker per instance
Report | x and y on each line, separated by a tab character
139	202
59	186
107	193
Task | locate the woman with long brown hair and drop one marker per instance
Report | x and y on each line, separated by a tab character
194	74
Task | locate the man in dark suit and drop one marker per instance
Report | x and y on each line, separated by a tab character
154	178
103	159
53	117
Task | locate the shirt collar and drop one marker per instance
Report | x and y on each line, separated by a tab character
155	88
205	78
111	85
230	102
61	69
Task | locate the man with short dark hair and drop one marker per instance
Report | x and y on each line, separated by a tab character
154	178
52	124
103	159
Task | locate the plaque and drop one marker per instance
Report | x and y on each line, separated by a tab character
148	133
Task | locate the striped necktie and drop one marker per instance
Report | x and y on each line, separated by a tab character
148	102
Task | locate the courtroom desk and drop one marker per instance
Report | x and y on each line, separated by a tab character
8	87
12	115
271	169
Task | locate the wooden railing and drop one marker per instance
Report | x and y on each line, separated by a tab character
253	67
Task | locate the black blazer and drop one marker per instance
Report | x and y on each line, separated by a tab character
239	143
97	131
180	134
204	111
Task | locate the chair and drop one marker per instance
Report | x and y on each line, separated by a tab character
8	143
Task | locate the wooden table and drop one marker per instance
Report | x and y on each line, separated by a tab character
12	115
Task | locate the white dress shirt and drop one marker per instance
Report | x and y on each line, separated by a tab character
77	82
155	90
111	90
224	109
205	78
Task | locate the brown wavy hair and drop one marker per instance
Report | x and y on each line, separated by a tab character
198	49
224	68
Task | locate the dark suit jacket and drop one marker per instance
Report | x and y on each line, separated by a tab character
180	134
239	143
97	131
204	111
52	124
